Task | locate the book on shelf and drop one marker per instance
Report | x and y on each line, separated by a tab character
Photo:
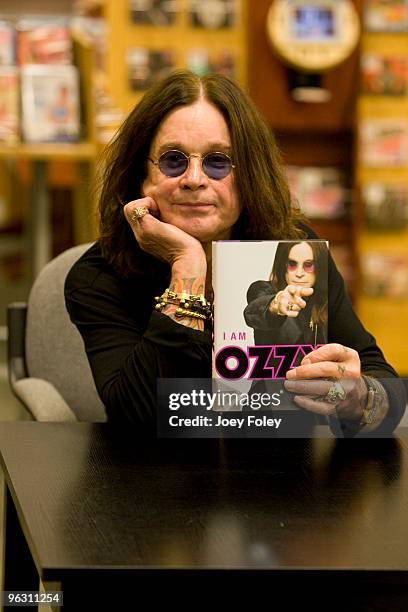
386	15
321	192
9	105
202	61
252	342
147	66
385	274
213	14
385	206
384	142
384	75
44	41
50	103
153	12
7	44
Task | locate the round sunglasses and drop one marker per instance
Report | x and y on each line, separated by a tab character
174	163
308	266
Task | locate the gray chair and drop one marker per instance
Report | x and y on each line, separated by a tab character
48	368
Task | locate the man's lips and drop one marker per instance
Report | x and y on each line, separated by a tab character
194	204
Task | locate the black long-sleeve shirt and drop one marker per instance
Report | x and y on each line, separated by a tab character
130	345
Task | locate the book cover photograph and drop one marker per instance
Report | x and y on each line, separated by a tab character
9	105
385	274
213	14
270	307
385	206
201	62
384	75
146	66
384	142
153	12
322	192
386	15
50	103
43	41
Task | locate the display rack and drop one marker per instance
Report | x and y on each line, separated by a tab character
384	310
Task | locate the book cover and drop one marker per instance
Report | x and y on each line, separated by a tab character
385	274
252	339
9	105
384	142
322	192
385	206
213	14
50	103
43	41
7	44
386	15
201	62
153	12
384	75
146	66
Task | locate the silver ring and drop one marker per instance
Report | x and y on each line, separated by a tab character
138	213
336	394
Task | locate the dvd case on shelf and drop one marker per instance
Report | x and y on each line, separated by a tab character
384	75
213	14
385	206
385	274
9	105
322	193
50	103
251	341
384	142
386	15
153	12
146	66
43	41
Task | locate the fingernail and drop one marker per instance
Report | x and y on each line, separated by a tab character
291	373
306	361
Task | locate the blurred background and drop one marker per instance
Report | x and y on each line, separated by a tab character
330	77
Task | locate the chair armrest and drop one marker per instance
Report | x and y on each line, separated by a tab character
43	400
16	325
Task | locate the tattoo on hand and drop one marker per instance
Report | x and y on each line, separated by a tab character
341	369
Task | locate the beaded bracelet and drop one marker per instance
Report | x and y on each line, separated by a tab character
191	305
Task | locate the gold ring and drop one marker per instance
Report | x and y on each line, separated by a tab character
138	213
290	306
336	394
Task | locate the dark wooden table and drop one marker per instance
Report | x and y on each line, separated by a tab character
105	517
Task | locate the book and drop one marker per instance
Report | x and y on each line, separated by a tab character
384	75
384	142
213	14
43	41
202	61
386	15
153	12
7	44
322	193
50	103
385	206
146	66
251	343
385	274
9	105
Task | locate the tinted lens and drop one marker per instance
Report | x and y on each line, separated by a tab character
308	266
217	165
173	163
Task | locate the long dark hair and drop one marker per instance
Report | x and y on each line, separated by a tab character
262	189
318	301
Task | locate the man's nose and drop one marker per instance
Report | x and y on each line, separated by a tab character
194	177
